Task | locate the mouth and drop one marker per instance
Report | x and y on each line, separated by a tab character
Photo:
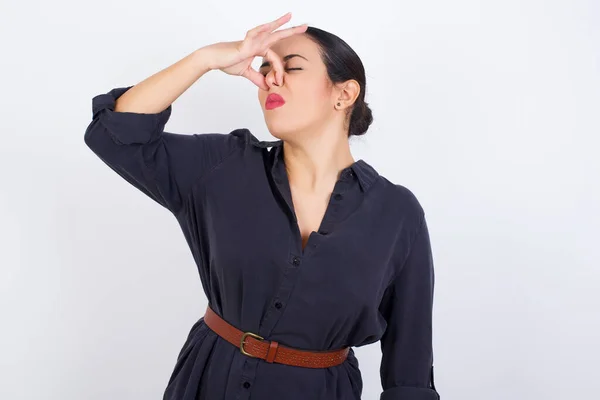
273	104
273	101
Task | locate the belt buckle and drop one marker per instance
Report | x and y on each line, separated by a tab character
254	335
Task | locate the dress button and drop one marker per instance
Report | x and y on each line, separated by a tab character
278	304
296	261
246	385
338	196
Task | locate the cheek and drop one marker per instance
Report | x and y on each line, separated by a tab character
315	99
262	96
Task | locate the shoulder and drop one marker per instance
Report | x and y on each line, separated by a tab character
212	144
408	208
242	136
407	199
248	139
401	198
237	138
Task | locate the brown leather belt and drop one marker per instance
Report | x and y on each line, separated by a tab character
253	345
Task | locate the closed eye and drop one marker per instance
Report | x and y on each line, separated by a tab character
287	69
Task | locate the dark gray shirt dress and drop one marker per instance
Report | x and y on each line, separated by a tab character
366	275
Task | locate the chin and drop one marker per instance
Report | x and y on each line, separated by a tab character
277	124
283	127
281	131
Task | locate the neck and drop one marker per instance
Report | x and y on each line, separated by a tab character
314	164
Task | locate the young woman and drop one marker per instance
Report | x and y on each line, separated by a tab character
302	251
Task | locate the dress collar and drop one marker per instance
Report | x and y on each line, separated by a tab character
364	172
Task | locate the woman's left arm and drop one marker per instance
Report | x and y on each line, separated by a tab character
407	350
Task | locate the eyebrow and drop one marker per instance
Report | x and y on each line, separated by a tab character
284	59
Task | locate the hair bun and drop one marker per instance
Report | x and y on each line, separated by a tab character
342	64
361	119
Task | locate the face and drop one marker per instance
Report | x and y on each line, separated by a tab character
306	89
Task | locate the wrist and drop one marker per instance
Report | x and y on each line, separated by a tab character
204	59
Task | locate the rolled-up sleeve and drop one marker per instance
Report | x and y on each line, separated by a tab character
163	165
407	352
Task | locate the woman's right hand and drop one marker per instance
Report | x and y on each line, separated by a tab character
235	58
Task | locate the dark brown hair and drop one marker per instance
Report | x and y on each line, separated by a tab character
342	64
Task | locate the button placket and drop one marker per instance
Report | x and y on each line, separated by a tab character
281	296
295	261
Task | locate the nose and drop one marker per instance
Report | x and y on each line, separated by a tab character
270	78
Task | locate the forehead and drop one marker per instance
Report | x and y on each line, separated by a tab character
298	44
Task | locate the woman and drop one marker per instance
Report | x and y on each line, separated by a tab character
302	251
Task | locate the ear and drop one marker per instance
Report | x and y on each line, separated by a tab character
347	93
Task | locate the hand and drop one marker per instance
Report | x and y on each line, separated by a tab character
235	58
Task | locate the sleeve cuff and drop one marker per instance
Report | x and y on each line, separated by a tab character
409	393
128	127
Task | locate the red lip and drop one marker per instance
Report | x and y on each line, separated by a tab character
273	101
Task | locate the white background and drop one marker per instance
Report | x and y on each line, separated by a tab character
487	110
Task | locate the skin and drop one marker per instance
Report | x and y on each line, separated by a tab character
313	128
